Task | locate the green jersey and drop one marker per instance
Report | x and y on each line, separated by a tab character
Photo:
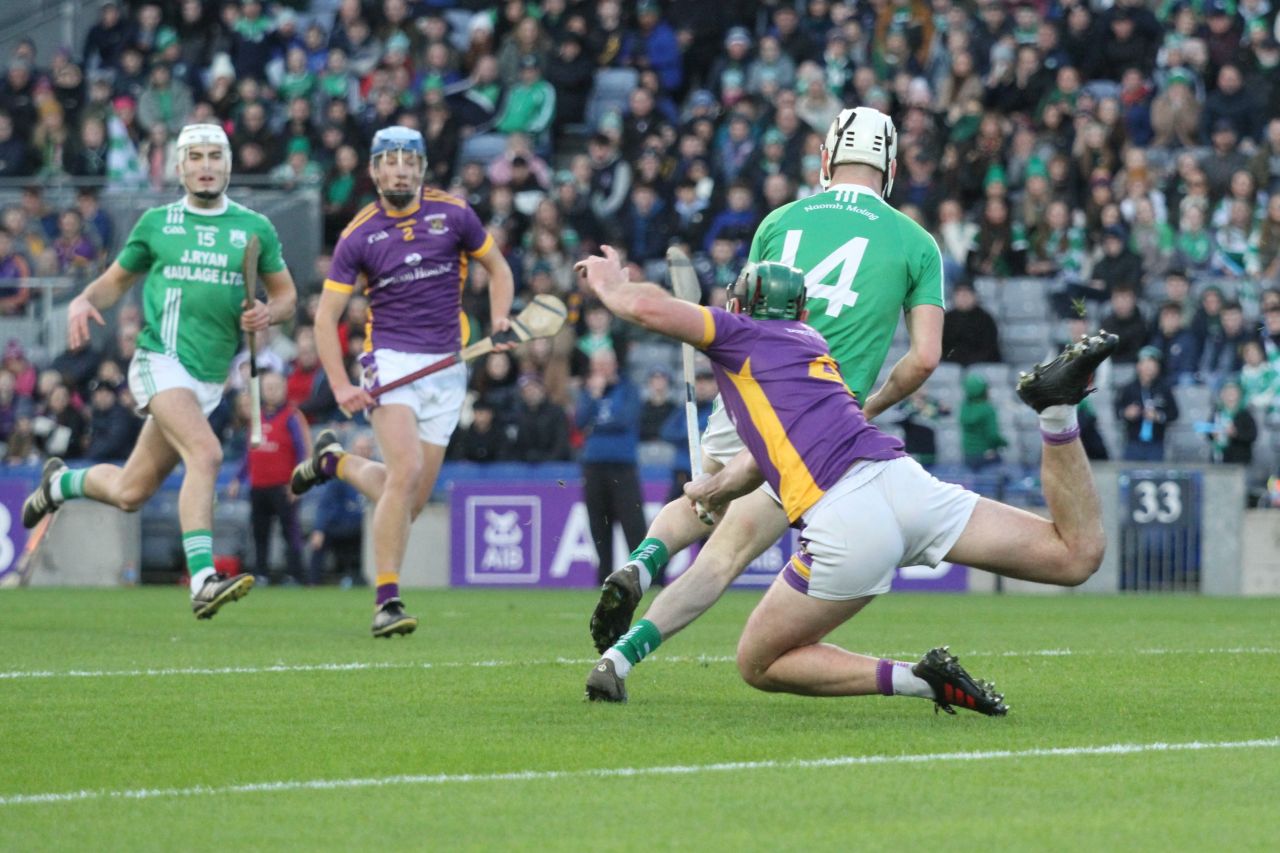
864	264
194	289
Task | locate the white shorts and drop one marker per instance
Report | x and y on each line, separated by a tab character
153	372
880	516
436	400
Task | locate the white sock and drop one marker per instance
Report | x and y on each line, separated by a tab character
907	683
1058	419
643	574
621	665
197	580
55	490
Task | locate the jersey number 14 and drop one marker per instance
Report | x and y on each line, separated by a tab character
848	258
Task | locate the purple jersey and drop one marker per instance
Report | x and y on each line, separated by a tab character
414	266
786	397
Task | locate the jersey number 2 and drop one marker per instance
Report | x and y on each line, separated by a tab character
848	258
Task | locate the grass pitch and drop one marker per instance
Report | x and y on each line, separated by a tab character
1137	723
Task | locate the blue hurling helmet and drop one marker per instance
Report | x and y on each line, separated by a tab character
397	138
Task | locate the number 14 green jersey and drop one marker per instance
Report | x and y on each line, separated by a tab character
194	285
864	263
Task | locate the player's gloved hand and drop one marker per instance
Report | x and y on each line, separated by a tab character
79	312
352	399
255	317
502	324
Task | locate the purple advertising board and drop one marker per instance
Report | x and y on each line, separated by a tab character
13	536
536	533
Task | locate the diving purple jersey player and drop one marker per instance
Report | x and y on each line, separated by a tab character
863	506
410	252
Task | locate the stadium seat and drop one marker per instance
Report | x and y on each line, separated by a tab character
997	376
1024	299
988	290
1120	375
611	91
1194	402
1183	444
949	445
483	147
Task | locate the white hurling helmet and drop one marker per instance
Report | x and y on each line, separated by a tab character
861	135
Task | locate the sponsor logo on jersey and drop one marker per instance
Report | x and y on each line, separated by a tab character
376	236
208	229
239	238
208	259
413	259
435	223
174	229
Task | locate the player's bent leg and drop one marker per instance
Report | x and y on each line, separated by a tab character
750	526
780	648
177	415
432	460
674	528
129	486
396	429
320	466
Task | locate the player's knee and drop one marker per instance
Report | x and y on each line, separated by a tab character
131	497
753	669
206	458
404	477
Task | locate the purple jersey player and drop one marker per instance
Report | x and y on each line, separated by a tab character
409	251
863	506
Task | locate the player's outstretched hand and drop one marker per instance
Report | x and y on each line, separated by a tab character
79	312
255	317
604	271
352	399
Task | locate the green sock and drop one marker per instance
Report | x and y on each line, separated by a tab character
641	640
198	545
652	556
70	484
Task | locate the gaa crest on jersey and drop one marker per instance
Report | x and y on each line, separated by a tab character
436	224
239	238
413	259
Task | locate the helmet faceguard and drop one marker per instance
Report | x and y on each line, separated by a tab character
768	290
861	135
396	145
204	134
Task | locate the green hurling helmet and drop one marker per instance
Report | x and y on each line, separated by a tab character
769	291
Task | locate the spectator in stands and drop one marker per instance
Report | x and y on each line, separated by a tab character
1179	351
113	429
1224	158
1259	378
997	252
737	221
106	39
1126	321
979	426
657	406
607	413
286	441
1269	333
59	425
76	254
918	420
541	426
1265	164
571	72
339	526
483	439
969	333
1231	106
1233	429
164	101
610	177
1207	322
646	225
18	94
14	271
16	157
530	104
1194	246
1119	266
1147	406
12	407
1222	354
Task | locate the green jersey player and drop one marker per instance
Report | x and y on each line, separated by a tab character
865	264
191	255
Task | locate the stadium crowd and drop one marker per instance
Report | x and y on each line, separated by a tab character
1126	159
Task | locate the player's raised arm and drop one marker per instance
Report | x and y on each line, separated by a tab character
644	304
101	293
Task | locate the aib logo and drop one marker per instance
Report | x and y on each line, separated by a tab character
502	540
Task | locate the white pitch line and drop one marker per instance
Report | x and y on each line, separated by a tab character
358	666
628	772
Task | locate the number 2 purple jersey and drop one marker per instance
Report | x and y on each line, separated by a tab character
414	266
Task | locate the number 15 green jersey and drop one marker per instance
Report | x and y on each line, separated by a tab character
194	285
864	263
